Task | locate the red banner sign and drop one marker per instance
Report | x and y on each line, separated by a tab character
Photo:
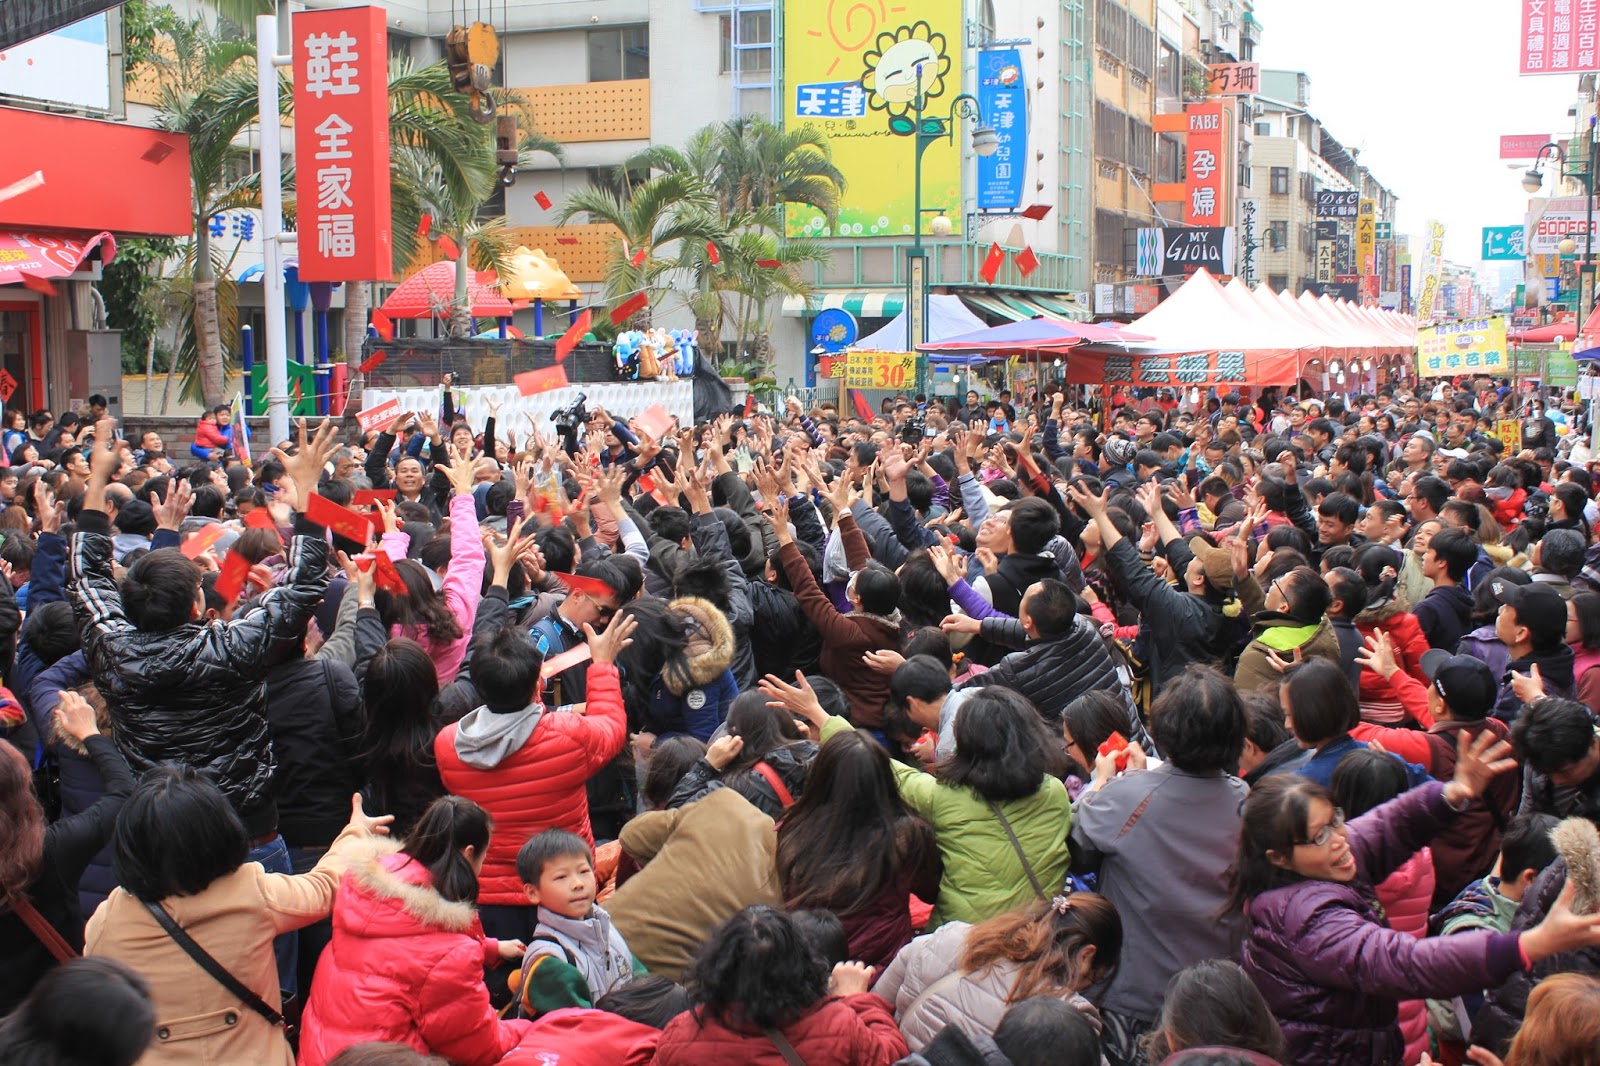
1522	145
1207	175
341	144
1560	36
1183	371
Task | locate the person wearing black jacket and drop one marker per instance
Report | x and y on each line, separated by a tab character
64	850
1445	613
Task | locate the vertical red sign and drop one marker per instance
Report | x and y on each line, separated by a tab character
1206	175
1560	36
341	144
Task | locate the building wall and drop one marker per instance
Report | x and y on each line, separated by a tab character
1124	141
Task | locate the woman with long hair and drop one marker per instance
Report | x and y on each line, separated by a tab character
1583	636
1562	1026
399	689
85	1012
762	997
678	669
1213	1004
1319	947
41	922
763	756
969	975
999	814
406	961
850	845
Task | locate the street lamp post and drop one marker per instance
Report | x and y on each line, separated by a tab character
929	130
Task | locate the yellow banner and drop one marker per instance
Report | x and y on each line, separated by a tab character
1474	347
1366	237
849	71
881	370
1509	430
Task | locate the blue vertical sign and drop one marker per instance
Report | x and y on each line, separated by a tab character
1003	98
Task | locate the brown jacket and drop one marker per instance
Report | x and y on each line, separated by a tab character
1280	633
198	1022
700	865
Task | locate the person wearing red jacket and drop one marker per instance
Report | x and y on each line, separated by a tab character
527	765
405	964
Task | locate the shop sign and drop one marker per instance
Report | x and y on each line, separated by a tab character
1477	346
1003	101
1206	180
1560	36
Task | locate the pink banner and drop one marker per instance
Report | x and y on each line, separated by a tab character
1560	36
1522	145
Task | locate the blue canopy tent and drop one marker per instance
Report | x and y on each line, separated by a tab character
947	317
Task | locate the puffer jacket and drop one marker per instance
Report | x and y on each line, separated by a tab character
1176	628
536	784
314	708
1379	701
1332	972
853	1030
1406	896
1275	631
1502	1011
783	638
81	784
693	698
1053	673
929	991
196	694
405	966
792	764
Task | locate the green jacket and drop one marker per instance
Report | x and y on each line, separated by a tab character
983	876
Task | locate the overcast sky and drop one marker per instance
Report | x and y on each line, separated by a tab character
1424	88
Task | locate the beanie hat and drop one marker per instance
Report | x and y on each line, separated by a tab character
1119	452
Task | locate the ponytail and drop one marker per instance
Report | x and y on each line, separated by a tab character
449	825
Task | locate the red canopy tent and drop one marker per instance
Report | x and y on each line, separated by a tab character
1551	334
32	259
430	292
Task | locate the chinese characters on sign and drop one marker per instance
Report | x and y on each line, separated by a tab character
1199	369
1003	100
1204	204
341	139
1522	145
1560	36
831	99
1331	203
1247	241
1235	79
1367	238
1503	243
1551	221
1475	347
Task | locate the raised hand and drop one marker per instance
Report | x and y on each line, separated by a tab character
1478	762
799	698
74	717
304	467
175	505
459	472
604	647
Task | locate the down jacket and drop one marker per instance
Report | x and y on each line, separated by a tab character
405	966
1379	701
1053	673
854	1030
693	698
195	694
1406	896
1330	968
539	783
1285	635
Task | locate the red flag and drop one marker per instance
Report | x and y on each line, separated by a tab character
750	405
371	496
230	582
1036	211
447	245
1027	262
629	307
863	409
591	585
711	253
638	257
38	285
209	534
768	264
377	360
261	518
581	653
992	263
424	226
352	525
533	382
385	327
542	199
575	333
513	331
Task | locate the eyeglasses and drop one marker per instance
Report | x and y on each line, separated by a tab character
1325	834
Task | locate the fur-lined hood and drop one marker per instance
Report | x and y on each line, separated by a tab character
710	647
394	878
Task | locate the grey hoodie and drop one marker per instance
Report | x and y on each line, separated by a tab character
485	738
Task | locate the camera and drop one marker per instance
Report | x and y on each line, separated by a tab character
915	428
570	419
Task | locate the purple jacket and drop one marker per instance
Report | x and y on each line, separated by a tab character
1332	970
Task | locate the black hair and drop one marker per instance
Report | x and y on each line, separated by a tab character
1561	552
1263	719
1280	537
1214	1003
1527	844
756	970
1033	522
1319	701
1052	607
435	552
546	847
1457	551
1433	489
1365	779
93	1011
670	759
1003	750
1586	605
1198	722
1215	486
649	999
397	744
920	676
824	934
1466	512
176	834
1553	733
1347	587
207	502
1379	567
449	825
1047	1031
505	669
919	491
1307	594
17	549
1091	719
559	548
878	589
924	595
703	576
739	542
158	591
763	729
1340	506
1276	816
931	641
52	632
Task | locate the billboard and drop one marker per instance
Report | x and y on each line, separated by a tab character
1503	243
1522	145
1234	79
1560	36
852	73
70	66
1550	221
1003	100
1474	347
1177	251
1206	174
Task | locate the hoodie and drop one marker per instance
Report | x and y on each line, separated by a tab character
1445	616
486	738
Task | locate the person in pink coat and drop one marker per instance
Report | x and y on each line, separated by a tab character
1363	780
405	964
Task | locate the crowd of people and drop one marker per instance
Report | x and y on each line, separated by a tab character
1003	732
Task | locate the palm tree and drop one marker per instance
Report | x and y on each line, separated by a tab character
650	216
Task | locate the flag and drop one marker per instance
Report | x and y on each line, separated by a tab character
38	285
711	253
377	360
448	247
576	583
566	240
534	382
575	333
230	582
638	257
241	431
768	264
513	331
1027	262
542	199
750	405
863	409
629	307
992	263
209	534
385	327
1036	211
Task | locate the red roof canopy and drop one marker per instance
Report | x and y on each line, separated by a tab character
430	291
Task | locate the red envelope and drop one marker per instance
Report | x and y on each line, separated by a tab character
542	199
447	245
575	333
992	264
711	253
638	257
769	264
1027	262
591	585
566	240
534	382
352	525
375	362
655	420
424	225
565	661
370	496
629	307
209	534
235	568
387	577
261	518
380	416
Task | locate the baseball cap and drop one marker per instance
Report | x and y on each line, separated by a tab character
1467	685
1538	606
1454	453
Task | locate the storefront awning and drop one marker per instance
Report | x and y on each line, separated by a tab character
993	305
876	303
33	257
1016	307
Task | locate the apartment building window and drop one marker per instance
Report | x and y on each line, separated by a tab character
1108	239
1169	70
1111	27
1263	129
1277	282
1169	156
619	54
1280	181
1278	236
1141	47
1110	133
1141	138
755	29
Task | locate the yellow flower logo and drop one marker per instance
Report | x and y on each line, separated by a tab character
902	65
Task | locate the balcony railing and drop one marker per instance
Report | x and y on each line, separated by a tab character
590	111
883	266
